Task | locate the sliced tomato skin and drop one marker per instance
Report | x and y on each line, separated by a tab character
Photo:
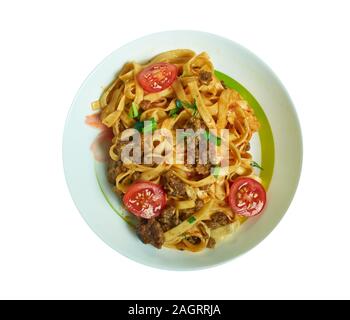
157	77
145	199
244	192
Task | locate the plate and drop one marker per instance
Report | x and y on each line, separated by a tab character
278	147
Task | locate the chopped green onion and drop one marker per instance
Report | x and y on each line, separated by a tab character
141	126
179	105
173	112
216	172
192	106
256	165
210	137
191	219
134	112
150	126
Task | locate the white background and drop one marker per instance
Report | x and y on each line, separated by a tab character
49	47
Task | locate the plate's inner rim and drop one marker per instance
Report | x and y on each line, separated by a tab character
265	136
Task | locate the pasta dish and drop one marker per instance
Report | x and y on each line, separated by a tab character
179	157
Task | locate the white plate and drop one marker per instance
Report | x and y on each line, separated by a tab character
278	147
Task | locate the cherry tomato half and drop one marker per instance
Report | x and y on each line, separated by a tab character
247	197
157	77
145	199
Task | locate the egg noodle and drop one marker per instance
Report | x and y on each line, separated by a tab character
195	97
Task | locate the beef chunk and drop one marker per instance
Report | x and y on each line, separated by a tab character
205	77
145	104
113	170
217	220
203	169
195	124
116	167
150	231
136	176
168	218
173	185
194	240
186	213
211	243
199	205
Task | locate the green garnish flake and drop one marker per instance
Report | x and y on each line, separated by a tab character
192	106
173	112
146	126
134	112
179	105
216	172
191	219
210	137
139	126
256	165
150	125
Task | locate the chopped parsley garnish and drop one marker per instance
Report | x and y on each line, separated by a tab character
179	105
134	112
210	137
192	106
146	126
139	126
150	125
191	219
256	165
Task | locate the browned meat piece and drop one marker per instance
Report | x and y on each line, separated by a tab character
116	167
194	240
223	84
211	243
199	171
205	77
145	104
217	220
168	218
195	124
199	205
173	185
186	213
203	169
136	176
121	126
150	231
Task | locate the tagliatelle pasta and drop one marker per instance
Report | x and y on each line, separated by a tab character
196	213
